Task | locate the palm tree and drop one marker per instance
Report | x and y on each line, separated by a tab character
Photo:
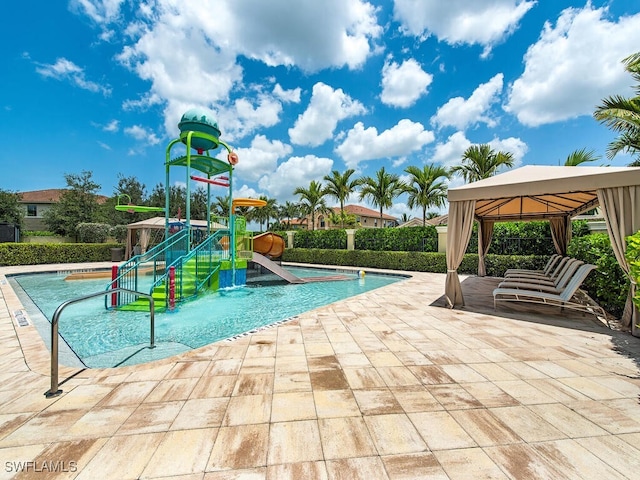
622	115
312	200
220	206
424	189
578	157
481	161
339	186
381	190
405	217
289	210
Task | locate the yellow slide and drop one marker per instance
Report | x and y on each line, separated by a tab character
268	244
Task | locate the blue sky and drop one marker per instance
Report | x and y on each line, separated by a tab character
302	88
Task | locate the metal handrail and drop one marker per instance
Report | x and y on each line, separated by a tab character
54	391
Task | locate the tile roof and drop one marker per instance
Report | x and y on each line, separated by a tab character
51	195
363	211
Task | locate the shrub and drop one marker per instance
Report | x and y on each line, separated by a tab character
407	239
93	232
119	232
41	253
633	257
37	233
320	238
608	285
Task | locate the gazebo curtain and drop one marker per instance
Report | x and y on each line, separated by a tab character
485	233
621	210
561	233
460	226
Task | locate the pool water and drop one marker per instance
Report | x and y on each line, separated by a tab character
101	338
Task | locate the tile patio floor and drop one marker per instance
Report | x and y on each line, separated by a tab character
385	385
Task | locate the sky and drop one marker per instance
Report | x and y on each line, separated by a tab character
301	88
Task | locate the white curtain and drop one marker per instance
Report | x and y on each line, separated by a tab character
459	227
561	233
485	233
621	210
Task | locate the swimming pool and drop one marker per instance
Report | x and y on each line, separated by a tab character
101	338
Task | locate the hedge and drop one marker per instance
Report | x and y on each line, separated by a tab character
411	261
406	239
39	253
608	284
633	257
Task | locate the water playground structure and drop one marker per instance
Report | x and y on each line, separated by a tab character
190	261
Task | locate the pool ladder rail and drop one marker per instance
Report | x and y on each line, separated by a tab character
54	391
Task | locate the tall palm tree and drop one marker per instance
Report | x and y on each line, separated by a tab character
381	190
424	188
622	115
481	161
289	210
312	200
578	157
340	186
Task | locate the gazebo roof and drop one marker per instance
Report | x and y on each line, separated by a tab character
537	192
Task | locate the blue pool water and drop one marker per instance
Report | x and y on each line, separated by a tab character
102	338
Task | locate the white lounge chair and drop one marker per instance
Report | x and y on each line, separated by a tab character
555	258
562	300
556	285
553	273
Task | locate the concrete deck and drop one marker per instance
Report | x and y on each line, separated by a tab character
385	385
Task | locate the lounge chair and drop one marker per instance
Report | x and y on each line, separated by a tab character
556	285
554	272
555	258
562	300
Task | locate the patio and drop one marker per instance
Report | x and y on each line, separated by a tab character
386	385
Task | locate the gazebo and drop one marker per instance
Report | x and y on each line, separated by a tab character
548	193
144	229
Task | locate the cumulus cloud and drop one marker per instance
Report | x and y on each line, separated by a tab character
243	116
461	113
450	152
142	134
573	66
295	172
261	158
326	108
100	11
513	145
482	22
366	144
65	69
287	96
403	84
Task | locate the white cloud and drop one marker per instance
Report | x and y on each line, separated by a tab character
450	152
573	66
287	96
403	85
483	22
295	172
326	108
142	134
112	126
244	116
514	145
245	192
65	69
261	158
104	145
100	11
461	113
366	144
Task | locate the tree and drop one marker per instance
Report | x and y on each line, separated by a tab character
128	189
405	217
578	157
77	204
424	188
312	200
264	214
220	206
10	209
289	210
381	190
177	199
340	186
481	161
622	115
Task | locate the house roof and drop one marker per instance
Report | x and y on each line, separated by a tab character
363	211
537	192
417	222
51	195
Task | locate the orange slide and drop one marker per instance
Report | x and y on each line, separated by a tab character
268	244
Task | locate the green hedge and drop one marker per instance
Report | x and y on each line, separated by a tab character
608	285
633	257
411	261
39	253
406	239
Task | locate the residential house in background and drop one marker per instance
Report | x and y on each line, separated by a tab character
365	217
35	203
